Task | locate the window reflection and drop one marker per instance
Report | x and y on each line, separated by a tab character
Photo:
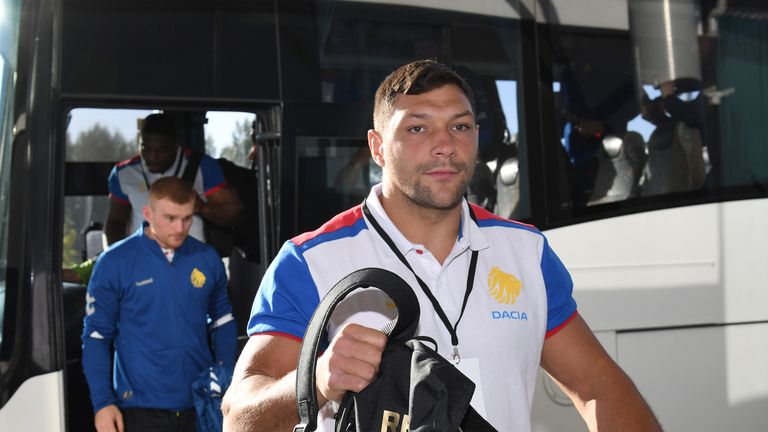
631	109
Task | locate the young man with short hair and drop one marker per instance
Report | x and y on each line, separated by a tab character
155	297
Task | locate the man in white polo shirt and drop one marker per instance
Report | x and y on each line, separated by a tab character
161	156
502	298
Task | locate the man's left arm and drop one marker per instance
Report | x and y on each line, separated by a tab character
603	394
221	205
223	328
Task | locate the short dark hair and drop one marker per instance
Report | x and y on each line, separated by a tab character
414	78
158	124
172	188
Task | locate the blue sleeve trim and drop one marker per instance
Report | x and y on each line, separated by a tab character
114	185
559	286
287	296
212	174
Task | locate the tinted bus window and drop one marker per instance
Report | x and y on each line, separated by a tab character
358	44
667	111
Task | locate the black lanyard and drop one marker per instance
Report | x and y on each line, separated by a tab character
175	173
425	288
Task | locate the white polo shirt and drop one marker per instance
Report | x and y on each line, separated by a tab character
130	179
522	292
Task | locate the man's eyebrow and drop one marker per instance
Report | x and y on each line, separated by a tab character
425	115
463	114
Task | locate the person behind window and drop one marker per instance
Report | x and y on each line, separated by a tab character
161	156
520	314
675	148
157	317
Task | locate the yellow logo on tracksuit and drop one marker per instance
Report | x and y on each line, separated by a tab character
197	278
503	287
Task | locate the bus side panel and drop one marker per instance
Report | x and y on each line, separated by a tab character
36	405
701	379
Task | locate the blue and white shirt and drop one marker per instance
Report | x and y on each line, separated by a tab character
522	293
130	179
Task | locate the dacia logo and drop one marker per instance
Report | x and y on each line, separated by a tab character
197	278
503	287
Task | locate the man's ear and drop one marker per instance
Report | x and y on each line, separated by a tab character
146	212
375	143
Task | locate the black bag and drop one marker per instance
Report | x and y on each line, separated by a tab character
243	233
417	390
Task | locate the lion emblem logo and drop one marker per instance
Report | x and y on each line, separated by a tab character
197	278
503	287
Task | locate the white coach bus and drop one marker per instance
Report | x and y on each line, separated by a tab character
633	132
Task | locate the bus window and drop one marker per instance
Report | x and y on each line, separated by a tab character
594	98
506	199
360	43
334	174
95	140
632	119
228	135
644	118
741	98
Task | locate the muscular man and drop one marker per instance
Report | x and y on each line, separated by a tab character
161	156
155	298
520	313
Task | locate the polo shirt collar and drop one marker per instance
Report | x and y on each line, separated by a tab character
470	235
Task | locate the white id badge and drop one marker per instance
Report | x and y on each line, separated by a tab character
471	368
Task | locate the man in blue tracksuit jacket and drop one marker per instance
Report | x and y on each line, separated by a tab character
154	297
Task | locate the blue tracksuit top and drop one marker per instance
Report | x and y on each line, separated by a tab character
156	314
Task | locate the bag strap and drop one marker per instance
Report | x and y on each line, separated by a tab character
407	320
190	171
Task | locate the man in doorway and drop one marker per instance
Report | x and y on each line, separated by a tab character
155	298
161	156
519	315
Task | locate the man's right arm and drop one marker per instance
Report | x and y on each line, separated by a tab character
262	393
262	396
99	329
116	227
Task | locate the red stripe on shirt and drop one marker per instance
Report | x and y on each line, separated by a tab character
561	326
289	336
120	200
482	214
213	190
129	161
341	220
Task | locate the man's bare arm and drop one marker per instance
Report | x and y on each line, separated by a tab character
603	394
262	394
222	207
118	216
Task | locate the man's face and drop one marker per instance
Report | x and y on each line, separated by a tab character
169	222
428	148
158	152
